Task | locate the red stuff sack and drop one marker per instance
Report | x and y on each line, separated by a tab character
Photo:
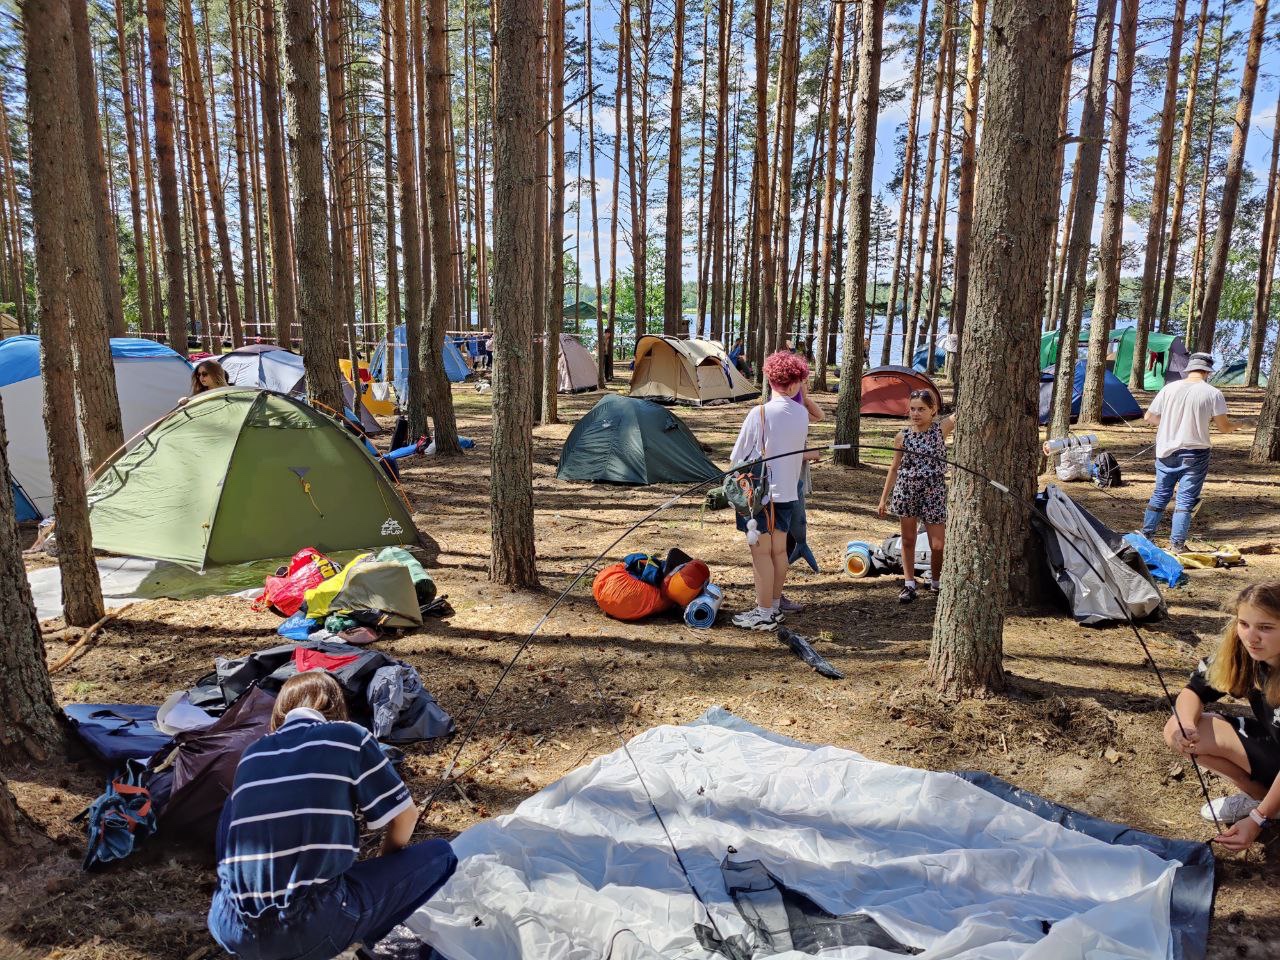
284	591
623	597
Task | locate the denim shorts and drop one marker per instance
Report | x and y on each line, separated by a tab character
781	518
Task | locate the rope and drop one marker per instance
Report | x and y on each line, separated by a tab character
1031	508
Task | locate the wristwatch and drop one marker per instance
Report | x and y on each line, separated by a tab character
1259	819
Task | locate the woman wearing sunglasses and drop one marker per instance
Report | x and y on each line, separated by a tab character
919	490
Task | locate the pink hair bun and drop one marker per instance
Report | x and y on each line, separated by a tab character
784	369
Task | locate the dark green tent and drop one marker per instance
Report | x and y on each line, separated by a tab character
633	441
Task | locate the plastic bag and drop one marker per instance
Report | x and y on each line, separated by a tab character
283	593
1164	566
1074	464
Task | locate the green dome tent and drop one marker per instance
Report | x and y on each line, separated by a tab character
1166	355
633	441
238	475
1232	375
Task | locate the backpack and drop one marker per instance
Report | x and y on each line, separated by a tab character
120	818
745	490
1106	470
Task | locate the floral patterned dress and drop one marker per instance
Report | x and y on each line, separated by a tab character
921	490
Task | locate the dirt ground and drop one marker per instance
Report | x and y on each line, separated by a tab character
1080	724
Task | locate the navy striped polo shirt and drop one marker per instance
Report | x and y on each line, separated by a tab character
290	822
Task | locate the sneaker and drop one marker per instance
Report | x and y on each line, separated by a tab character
1176	548
1230	809
787	605
755	619
907	595
935	586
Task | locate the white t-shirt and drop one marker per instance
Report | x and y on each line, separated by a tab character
1186	409
950	343
786	428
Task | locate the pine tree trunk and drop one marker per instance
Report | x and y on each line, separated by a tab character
1266	438
59	198
1159	203
766	307
441	173
940	219
702	239
1088	162
1013	230
1266	262
718	218
555	231
1107	292
283	282
783	193
589	56
306	149
517	182
1180	179
926	203
196	193
839	12
968	170
1231	186
615	214
1195	296
341	146
131	148
1050	321
673	272
243	189
105	246
204	136
389	198
637	171
848	410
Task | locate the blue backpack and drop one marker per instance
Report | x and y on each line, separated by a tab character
120	818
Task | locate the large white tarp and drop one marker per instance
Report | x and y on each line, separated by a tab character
583	869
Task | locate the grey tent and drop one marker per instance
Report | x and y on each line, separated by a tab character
633	441
1102	577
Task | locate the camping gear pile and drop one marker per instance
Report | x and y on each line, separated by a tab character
1103	579
644	584
636	442
1080	458
150	380
798	849
179	761
861	559
240	474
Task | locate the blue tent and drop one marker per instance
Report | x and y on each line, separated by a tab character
1117	402
920	360
455	366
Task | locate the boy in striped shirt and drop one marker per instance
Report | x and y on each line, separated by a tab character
289	884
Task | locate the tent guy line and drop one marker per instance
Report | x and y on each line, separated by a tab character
447	778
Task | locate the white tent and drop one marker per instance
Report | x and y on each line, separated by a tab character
576	365
150	380
696	372
269	367
799	850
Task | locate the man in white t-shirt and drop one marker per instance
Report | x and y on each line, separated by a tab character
1182	412
951	346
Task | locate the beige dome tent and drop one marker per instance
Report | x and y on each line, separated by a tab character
696	372
9	326
577	366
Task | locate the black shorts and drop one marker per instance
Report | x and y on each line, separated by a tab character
1259	746
773	516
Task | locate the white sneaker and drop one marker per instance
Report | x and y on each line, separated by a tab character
755	619
1230	809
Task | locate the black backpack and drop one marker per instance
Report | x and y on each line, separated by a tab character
1106	470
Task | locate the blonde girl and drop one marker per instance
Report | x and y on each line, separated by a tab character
1244	750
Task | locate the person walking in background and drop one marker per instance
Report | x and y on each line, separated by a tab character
950	347
1182	412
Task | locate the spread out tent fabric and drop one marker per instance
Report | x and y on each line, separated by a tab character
456	367
1117	402
268	367
576	366
625	440
1103	578
1166	355
802	850
116	731
239	475
695	372
886	391
1232	375
150	380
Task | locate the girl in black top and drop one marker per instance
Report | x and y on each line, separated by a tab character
1245	750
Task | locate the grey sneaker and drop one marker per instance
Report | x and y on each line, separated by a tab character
754	619
787	605
1230	809
1177	547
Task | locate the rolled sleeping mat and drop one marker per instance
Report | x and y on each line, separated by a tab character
701	613
857	559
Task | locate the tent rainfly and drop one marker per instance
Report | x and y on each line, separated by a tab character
1232	375
576	366
1166	355
695	372
150	380
625	440
886	391
456	367
1117	402
239	475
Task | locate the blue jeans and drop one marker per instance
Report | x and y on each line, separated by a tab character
363	904
1182	471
